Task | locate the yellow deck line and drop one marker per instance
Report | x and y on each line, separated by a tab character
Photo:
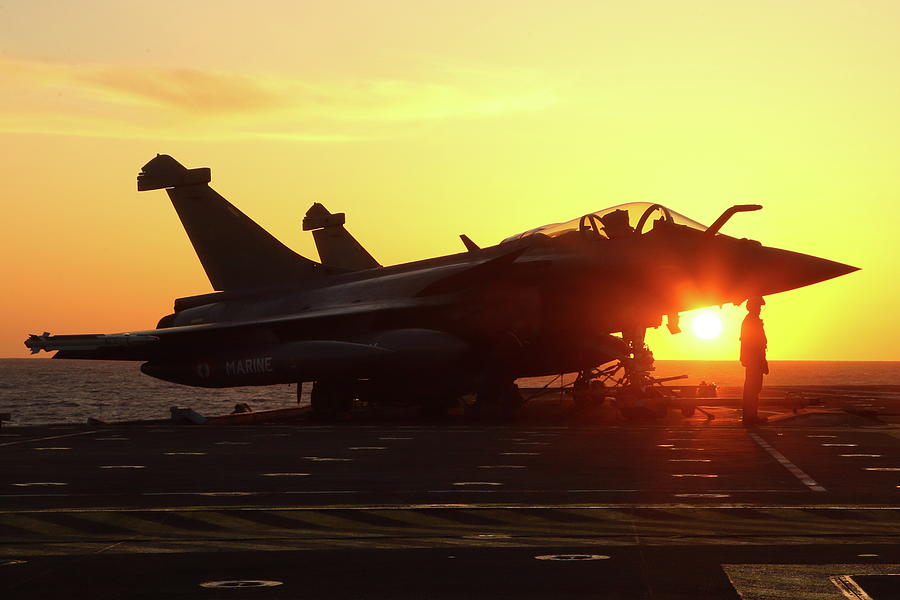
37	525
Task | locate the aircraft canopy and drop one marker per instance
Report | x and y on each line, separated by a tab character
612	222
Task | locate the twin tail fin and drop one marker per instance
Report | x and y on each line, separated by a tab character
235	252
337	247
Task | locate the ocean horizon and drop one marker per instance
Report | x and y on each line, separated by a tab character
56	391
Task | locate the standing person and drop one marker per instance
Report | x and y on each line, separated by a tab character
753	357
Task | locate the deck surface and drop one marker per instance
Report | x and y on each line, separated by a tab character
681	508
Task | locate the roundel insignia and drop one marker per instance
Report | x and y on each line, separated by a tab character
203	370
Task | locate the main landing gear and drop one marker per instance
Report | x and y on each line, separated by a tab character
329	398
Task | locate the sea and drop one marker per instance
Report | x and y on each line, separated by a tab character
41	391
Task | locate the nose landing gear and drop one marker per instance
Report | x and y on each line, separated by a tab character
635	393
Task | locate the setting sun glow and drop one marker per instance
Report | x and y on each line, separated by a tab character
706	325
425	120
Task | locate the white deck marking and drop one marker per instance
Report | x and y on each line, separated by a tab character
184	453
52	437
665	445
323	492
791	467
693	475
865	455
464	491
600	491
240	583
700	460
567	557
52	448
821	436
39	484
123	467
326	459
702	495
198	494
839	445
284	474
477	483
881	469
367	448
697	449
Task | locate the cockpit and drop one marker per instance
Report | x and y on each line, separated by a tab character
614	222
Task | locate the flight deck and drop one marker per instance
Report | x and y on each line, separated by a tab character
805	507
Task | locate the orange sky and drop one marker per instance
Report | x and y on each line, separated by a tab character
423	120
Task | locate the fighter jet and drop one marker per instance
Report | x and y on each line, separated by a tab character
560	298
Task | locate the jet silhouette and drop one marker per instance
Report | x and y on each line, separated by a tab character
543	302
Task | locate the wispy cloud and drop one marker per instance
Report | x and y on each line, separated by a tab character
182	89
115	100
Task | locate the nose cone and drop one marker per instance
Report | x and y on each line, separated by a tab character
772	270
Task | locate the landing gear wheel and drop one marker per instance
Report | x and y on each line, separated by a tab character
588	392
581	393
330	398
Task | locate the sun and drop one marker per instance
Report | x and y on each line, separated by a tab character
706	326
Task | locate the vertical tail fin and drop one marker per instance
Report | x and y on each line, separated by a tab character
235	252
337	248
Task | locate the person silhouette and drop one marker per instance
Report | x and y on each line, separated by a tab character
753	358
616	224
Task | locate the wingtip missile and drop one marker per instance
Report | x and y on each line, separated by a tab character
35	343
90	342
